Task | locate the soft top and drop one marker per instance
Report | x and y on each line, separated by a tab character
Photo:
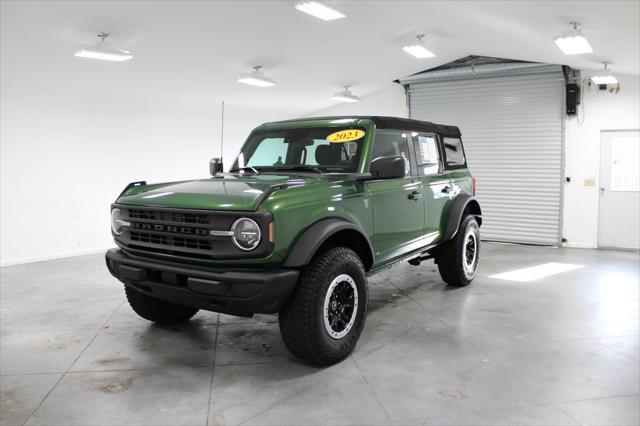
383	122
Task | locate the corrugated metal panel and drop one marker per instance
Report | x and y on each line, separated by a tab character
512	132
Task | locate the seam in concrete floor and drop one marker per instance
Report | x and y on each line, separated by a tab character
70	367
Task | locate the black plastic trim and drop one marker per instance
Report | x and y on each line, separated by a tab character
383	122
230	291
454	215
308	244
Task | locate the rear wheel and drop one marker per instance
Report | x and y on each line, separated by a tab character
157	310
322	321
458	258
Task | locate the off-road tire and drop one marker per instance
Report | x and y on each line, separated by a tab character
302	320
157	310
451	256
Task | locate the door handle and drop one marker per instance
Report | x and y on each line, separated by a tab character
446	189
415	195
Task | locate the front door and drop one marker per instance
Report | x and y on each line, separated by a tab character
398	206
618	224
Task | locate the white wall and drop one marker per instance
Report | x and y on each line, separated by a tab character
66	155
602	111
390	101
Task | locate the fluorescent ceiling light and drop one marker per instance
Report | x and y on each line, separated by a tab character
573	45
114	56
345	96
536	272
103	51
319	10
418	50
572	42
256	78
606	78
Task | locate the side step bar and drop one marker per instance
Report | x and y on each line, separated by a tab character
419	259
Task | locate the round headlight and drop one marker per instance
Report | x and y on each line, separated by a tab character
116	221
246	234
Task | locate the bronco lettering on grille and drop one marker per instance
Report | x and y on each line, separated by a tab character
170	228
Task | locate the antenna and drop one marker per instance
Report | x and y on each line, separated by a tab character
222	132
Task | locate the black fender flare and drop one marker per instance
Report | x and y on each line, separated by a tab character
452	220
316	235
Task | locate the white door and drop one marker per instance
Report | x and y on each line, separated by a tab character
619	218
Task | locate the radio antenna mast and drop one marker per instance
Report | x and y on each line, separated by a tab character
222	132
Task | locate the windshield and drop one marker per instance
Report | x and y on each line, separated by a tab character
319	150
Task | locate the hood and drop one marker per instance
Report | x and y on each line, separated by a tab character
229	192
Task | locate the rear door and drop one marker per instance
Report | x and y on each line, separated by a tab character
435	185
398	206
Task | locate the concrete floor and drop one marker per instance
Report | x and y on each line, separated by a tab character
557	350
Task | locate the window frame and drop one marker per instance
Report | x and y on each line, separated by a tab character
447	166
413	168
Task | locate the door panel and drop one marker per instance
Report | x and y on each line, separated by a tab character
618	224
436	185
398	217
437	193
398	206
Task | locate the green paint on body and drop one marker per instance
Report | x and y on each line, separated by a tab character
397	226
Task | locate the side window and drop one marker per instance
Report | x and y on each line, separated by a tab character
453	153
389	143
427	156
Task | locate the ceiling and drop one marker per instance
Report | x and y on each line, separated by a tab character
193	51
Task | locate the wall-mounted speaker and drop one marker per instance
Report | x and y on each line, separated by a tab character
572	98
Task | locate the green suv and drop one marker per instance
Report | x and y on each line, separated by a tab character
307	211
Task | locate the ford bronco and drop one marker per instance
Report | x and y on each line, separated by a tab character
307	211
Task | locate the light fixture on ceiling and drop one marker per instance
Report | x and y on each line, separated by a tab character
573	42
319	10
345	96
102	50
418	50
606	77
256	78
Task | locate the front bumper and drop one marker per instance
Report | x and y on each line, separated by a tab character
235	292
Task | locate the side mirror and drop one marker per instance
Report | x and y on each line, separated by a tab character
391	167
215	166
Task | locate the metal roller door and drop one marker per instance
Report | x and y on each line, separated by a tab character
512	129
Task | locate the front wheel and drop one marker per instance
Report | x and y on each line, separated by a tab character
458	258
322	321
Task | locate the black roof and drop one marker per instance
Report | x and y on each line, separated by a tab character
383	122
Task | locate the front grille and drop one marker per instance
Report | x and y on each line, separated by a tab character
169	240
186	232
173	231
169	216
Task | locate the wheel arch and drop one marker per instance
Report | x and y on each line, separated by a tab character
330	233
463	204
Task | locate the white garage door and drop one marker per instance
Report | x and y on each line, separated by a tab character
512	129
